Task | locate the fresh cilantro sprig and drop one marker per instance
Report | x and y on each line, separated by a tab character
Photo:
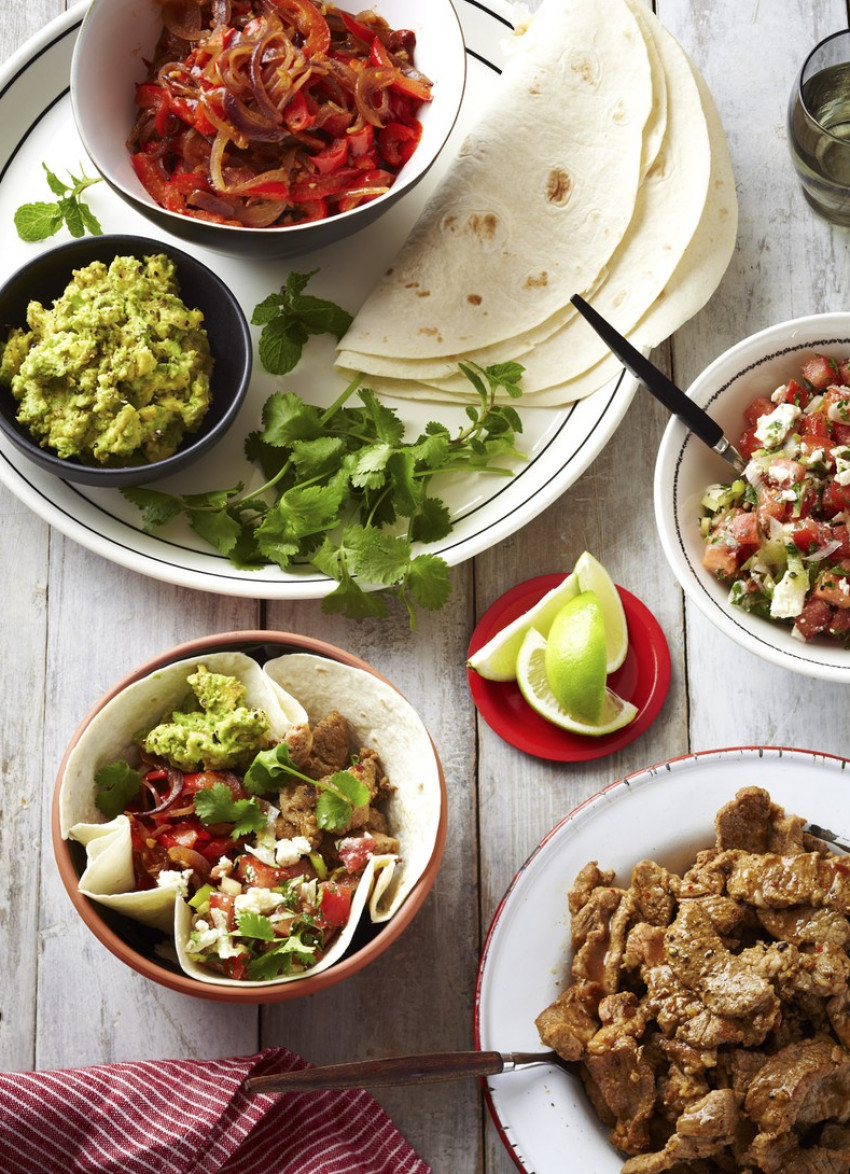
116	786
38	221
216	805
341	791
344	491
289	318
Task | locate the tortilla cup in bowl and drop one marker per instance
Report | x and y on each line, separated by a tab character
150	929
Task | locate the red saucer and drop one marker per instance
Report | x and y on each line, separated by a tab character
643	679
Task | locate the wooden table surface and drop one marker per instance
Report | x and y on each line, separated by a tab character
72	623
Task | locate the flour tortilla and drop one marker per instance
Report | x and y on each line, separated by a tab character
538	199
379	717
670	260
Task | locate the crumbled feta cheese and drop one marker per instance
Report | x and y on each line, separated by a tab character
842	464
257	900
290	851
172	878
773	427
789	595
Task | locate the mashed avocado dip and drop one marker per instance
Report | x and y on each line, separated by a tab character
117	370
217	733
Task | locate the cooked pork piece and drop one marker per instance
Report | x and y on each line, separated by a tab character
331	749
804	1083
801	924
569	1024
778	882
624	1078
297	817
752	823
711	1012
704	1128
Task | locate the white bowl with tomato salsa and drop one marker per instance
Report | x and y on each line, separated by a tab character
266	131
766	555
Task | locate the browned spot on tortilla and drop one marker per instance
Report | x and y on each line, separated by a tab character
449	221
620	114
474	299
432	331
619	297
423	293
559	186
412	285
583	66
485	225
537	280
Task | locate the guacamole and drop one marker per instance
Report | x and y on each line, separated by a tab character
117	370
217	733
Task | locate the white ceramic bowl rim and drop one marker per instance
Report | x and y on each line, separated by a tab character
768	351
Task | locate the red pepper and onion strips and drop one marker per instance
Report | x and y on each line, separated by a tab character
264	113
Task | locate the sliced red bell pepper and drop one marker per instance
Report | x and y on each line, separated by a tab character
297	113
397	142
361	31
331	157
414	85
310	23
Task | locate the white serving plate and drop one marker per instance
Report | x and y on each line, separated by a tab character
36	125
665	813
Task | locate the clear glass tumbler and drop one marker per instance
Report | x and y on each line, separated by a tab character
819	127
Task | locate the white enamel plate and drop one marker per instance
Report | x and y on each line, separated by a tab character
665	813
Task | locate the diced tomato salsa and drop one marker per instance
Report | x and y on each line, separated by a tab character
779	535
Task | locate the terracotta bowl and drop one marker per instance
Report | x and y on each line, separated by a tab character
135	944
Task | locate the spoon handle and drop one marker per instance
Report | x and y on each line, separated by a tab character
422	1069
665	391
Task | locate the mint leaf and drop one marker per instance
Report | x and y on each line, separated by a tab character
117	785
289	318
40	220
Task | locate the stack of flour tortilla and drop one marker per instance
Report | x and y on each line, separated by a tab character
599	168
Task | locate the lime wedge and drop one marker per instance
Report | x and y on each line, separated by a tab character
592	576
575	658
535	688
496	660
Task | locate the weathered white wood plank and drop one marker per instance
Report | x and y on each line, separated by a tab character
104	622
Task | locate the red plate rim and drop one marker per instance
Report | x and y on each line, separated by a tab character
643	679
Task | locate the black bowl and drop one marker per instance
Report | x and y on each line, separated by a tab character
45	278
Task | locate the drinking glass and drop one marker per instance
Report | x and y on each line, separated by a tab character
819	127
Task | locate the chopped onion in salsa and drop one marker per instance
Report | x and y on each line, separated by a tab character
779	535
265	113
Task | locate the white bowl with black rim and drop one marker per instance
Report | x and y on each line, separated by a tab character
685	467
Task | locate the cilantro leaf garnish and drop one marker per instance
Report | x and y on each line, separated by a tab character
289	318
38	221
254	925
341	791
117	785
279	960
344	491
216	805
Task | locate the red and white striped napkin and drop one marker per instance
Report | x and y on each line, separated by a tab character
191	1117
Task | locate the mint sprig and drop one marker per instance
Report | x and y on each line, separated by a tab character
42	219
289	318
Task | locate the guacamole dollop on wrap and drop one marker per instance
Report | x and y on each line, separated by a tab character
157	717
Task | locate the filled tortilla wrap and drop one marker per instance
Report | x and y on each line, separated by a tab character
377	716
